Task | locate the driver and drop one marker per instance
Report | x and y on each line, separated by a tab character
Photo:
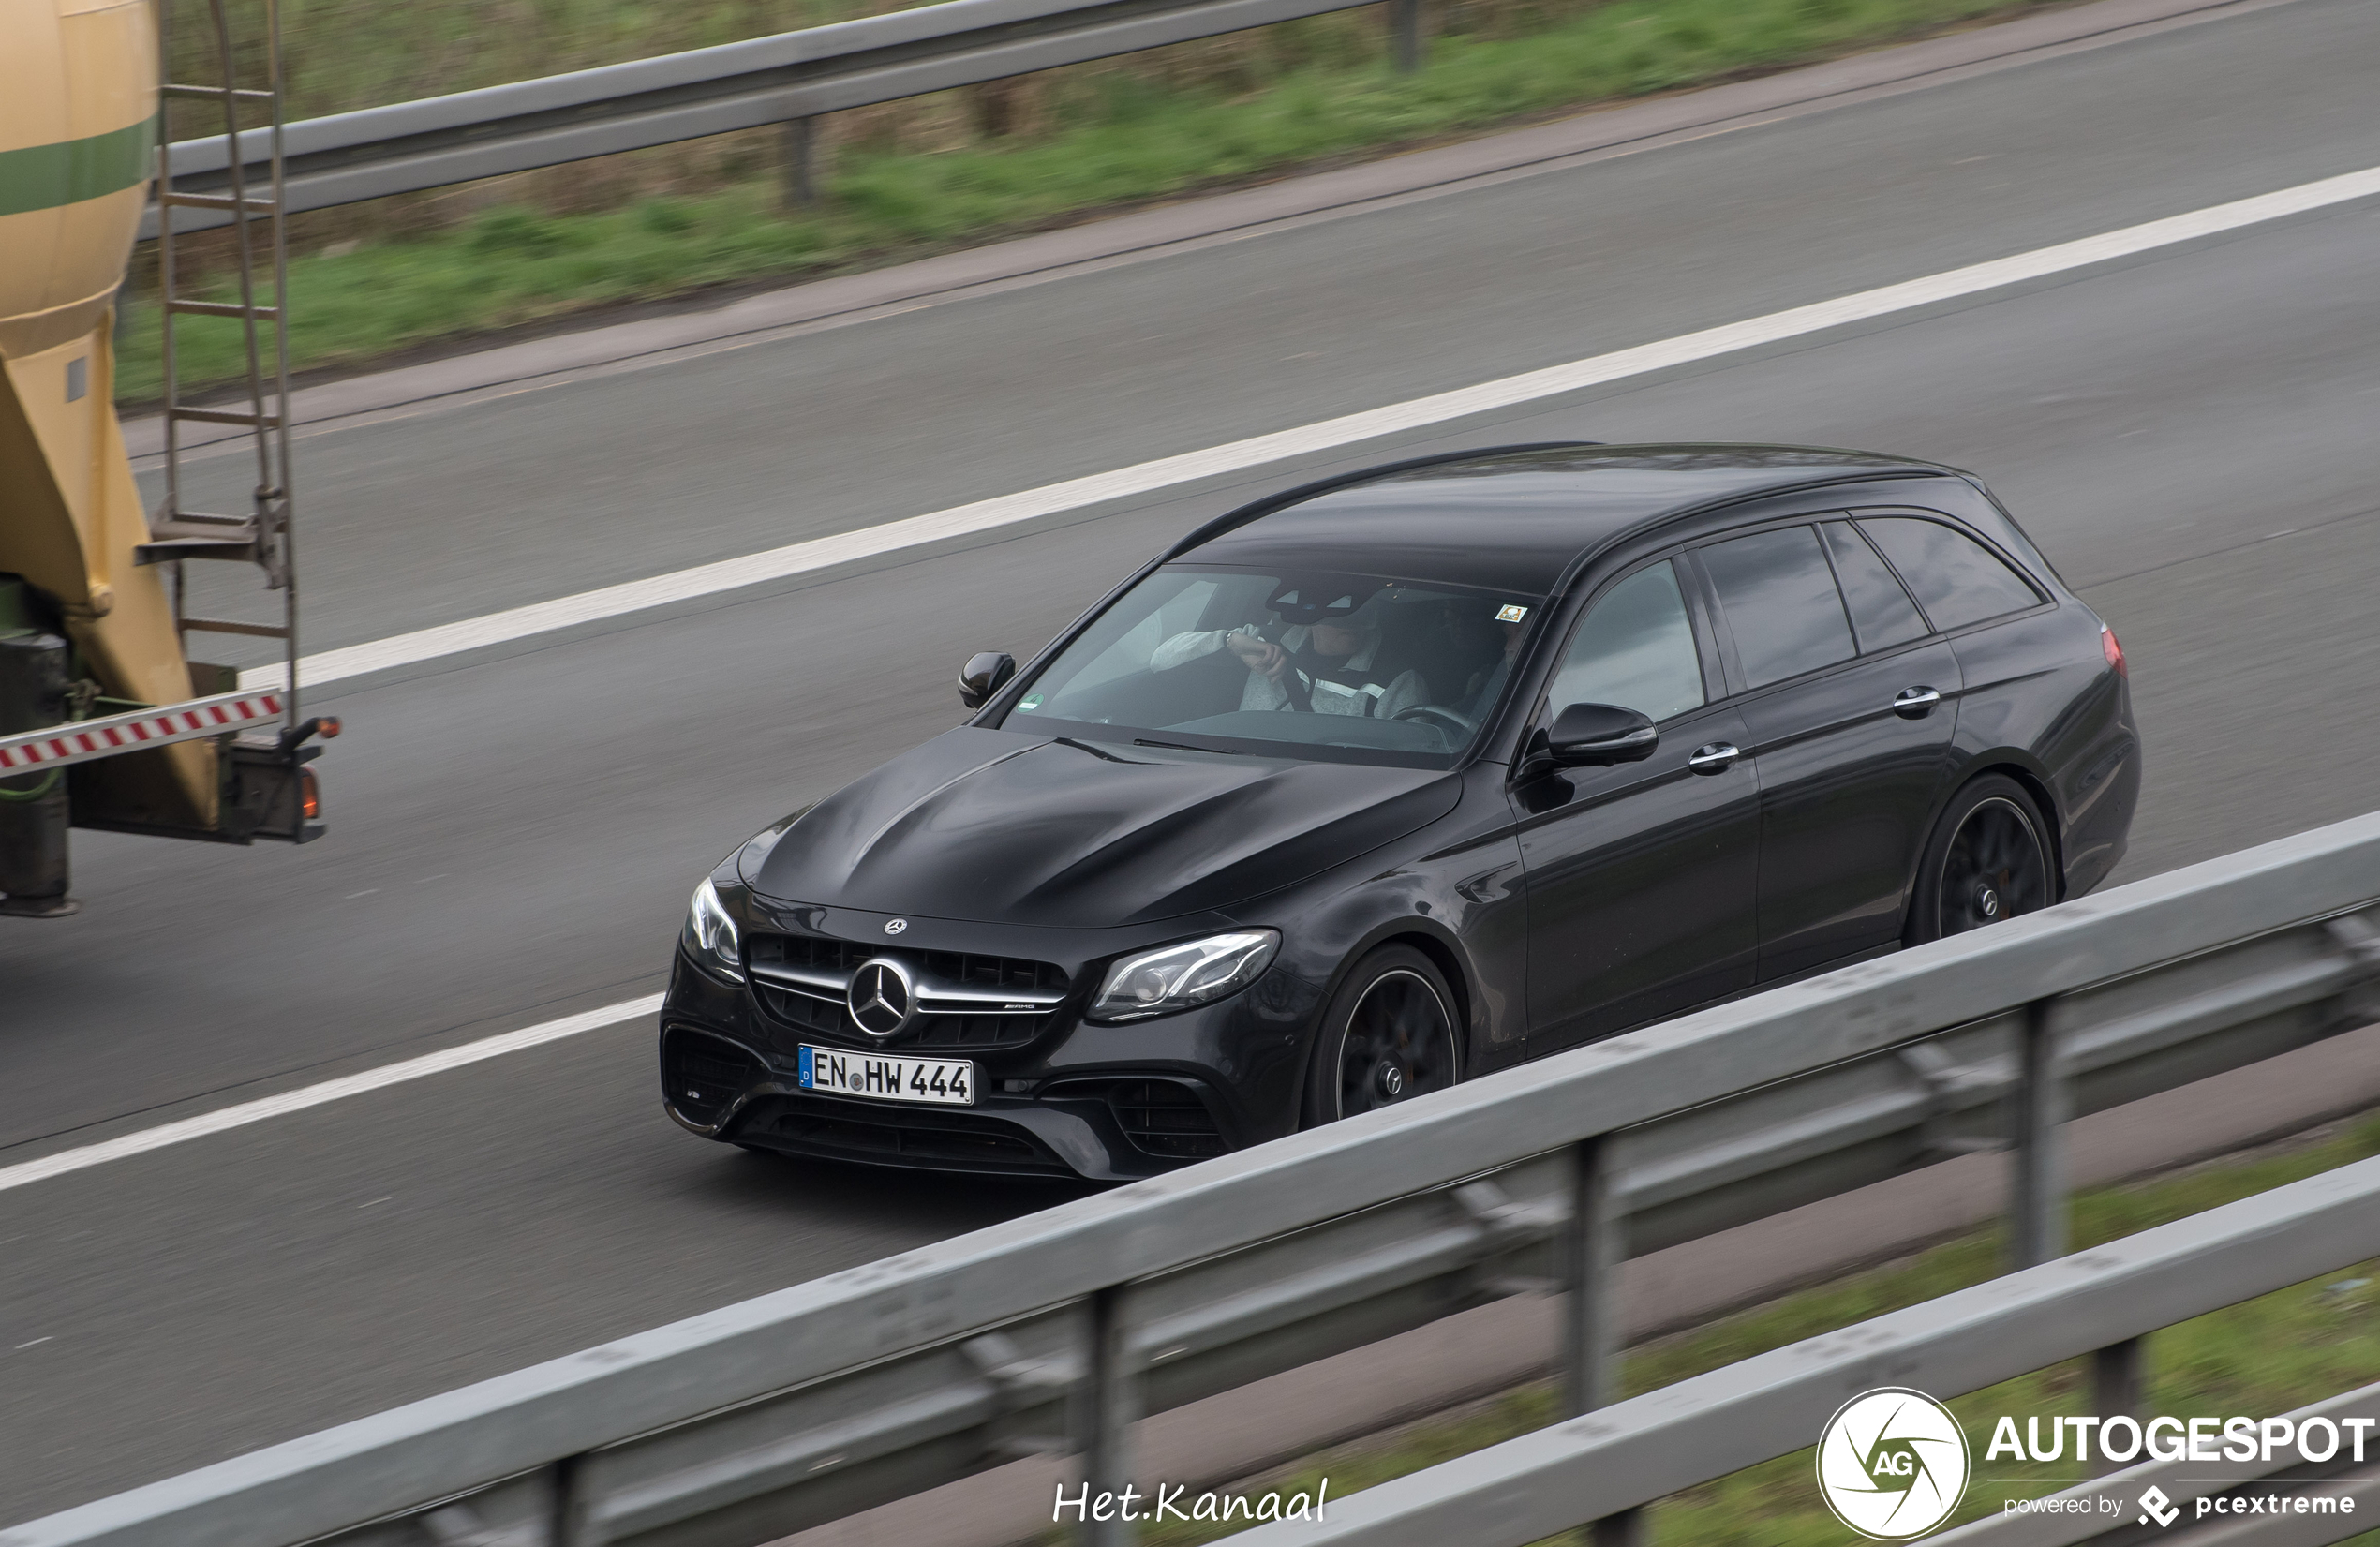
1333	664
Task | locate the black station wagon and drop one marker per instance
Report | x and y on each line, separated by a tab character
1391	780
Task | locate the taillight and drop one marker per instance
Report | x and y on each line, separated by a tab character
2113	651
309	795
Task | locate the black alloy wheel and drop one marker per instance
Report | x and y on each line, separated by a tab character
1989	860
1387	1036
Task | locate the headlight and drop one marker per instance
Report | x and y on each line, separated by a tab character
709	936
1178	976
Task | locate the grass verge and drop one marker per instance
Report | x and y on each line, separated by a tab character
2265	1356
1130	141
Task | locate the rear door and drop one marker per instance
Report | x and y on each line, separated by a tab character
1640	877
1849	701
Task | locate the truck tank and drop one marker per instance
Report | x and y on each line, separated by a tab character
78	137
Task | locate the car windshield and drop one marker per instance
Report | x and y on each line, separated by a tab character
1328	666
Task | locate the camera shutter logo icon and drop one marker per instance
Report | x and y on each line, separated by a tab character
1892	1463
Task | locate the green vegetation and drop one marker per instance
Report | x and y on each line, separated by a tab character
1083	140
2264	1357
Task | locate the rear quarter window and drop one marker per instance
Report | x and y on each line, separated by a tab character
1881	610
1955	578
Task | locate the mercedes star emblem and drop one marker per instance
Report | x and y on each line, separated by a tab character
894	925
881	997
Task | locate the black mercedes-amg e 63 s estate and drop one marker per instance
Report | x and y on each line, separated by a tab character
1394	780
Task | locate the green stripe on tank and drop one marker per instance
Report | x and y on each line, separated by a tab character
42	177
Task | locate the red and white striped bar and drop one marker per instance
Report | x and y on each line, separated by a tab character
56	746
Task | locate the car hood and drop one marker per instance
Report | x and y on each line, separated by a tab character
995	826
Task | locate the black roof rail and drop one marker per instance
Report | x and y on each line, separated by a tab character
1258	508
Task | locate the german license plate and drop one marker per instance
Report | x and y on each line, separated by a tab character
879	1077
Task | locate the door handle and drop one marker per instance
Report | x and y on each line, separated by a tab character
1915	703
1715	757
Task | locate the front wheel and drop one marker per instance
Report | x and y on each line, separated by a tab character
1988	860
1388	1035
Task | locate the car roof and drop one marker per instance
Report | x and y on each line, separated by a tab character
1513	520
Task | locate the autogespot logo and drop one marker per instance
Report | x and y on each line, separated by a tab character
1892	1463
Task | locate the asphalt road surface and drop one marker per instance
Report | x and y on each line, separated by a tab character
2192	439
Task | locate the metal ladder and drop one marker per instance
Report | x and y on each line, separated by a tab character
265	536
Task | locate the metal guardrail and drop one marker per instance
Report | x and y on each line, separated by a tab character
787	79
1053	1332
1605	1465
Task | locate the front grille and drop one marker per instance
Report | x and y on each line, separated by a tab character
827	1018
814	953
702	1074
969	971
969	1033
1160	1117
824	1017
901	1136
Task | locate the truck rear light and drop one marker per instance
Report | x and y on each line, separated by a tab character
2113	651
309	796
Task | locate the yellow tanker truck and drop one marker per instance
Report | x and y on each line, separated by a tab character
98	707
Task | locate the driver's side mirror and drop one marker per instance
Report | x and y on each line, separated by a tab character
1596	736
985	673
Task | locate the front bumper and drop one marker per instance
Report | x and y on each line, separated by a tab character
1105	1103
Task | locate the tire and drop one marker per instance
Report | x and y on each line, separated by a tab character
1990	859
1389	1033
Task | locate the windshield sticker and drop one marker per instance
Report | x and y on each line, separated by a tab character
1510	614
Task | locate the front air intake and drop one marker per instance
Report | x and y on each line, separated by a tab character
702	1075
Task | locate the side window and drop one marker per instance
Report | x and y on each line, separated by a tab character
1780	602
1957	580
1881	610
1635	648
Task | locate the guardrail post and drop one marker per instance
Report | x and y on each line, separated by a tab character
2118	1385
1405	24
1591	1251
801	162
1113	1404
1625	1529
1590	1261
565	1505
2037	1222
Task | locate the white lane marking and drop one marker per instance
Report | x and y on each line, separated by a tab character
184	1129
1191	471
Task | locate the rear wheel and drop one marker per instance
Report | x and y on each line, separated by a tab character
1388	1035
1988	860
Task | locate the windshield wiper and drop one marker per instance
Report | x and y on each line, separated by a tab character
1086	747
1184	746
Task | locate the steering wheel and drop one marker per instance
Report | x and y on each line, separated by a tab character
1462	723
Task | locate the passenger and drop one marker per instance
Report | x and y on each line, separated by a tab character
1333	666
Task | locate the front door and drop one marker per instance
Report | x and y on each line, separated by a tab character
1641	878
